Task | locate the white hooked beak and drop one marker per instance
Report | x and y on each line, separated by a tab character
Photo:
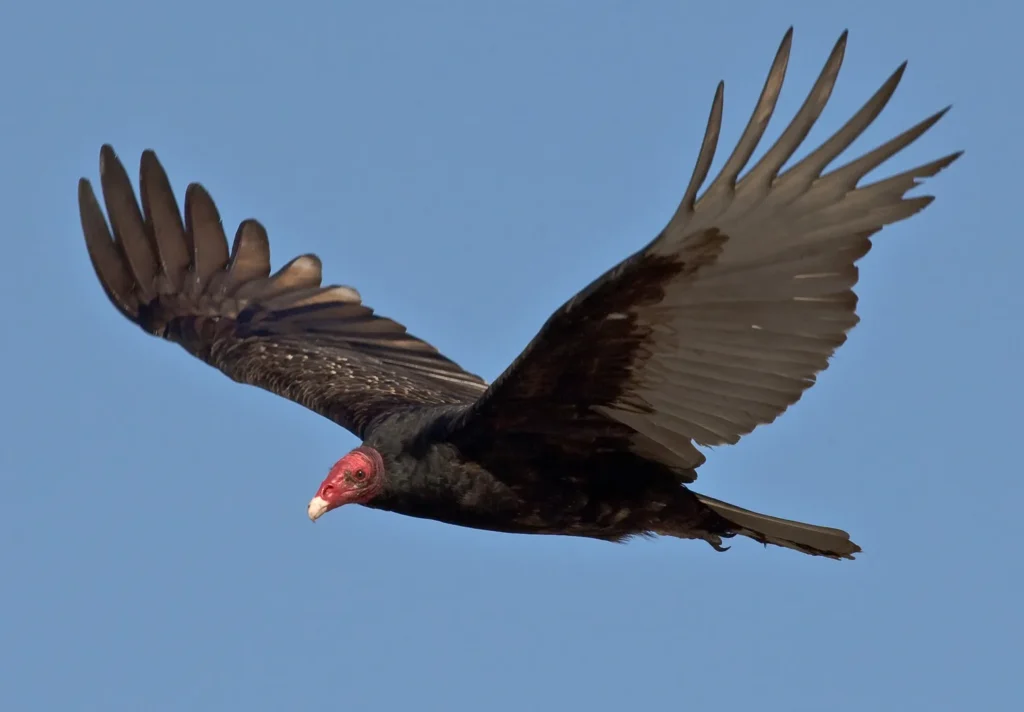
317	506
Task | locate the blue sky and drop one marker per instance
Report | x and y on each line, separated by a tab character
469	166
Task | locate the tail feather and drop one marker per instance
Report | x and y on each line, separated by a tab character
808	538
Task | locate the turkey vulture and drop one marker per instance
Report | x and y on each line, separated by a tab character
713	328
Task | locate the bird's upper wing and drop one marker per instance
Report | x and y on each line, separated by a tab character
724	320
318	346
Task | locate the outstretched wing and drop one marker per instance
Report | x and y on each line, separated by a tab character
725	319
318	346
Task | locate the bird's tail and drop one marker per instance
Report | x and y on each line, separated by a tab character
808	538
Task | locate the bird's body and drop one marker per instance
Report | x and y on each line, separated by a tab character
716	326
434	473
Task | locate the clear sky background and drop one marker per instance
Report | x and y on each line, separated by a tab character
469	166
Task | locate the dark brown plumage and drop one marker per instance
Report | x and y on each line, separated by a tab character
715	327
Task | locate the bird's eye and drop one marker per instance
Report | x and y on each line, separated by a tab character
360	475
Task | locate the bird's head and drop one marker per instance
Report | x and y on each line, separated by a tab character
356	478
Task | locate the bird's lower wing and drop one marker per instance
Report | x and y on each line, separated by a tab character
725	319
318	346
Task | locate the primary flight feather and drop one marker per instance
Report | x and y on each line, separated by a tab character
715	327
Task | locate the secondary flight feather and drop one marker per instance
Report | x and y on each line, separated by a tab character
715	327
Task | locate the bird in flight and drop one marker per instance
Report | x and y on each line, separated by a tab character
716	326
